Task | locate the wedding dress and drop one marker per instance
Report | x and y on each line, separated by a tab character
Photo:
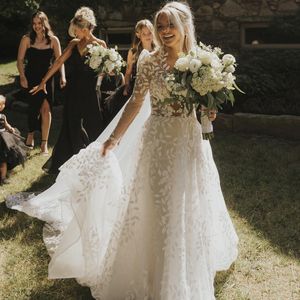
148	221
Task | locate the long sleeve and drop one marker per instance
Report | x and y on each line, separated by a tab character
134	104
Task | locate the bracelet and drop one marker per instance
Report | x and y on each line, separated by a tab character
113	139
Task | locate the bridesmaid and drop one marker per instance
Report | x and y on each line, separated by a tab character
82	117
143	39
38	48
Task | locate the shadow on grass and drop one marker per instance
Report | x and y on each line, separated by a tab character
260	181
15	223
60	288
221	279
6	88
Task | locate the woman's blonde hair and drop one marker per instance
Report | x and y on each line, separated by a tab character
137	46
83	18
180	15
2	99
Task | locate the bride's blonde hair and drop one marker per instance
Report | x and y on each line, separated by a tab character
83	18
180	15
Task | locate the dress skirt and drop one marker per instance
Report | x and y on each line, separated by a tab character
154	227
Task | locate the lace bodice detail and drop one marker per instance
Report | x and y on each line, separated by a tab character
151	74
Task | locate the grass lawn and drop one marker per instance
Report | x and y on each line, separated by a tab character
260	180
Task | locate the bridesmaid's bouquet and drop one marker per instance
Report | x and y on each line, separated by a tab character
203	78
104	60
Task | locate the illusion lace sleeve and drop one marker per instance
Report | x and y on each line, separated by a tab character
134	104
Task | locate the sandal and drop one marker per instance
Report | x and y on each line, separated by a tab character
30	146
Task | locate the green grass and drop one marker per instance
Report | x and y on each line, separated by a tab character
8	72
260	182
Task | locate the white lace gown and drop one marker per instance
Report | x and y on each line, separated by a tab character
148	221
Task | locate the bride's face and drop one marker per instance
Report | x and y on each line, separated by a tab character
168	33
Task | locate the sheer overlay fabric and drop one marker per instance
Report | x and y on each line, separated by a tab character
147	221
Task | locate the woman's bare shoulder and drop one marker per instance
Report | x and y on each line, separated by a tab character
73	42
25	39
100	42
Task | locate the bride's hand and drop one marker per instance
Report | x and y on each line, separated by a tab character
108	145
37	88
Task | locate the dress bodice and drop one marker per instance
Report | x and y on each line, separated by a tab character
79	68
151	76
38	61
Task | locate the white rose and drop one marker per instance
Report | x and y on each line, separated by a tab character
228	59
229	80
109	65
182	64
113	55
95	62
205	57
195	64
230	69
216	64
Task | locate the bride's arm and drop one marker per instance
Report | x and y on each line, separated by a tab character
132	108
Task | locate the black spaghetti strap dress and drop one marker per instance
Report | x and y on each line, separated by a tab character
38	63
82	117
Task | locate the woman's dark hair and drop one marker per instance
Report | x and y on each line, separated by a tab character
48	33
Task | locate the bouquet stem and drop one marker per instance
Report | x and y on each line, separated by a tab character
207	127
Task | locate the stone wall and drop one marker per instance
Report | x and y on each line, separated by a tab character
217	22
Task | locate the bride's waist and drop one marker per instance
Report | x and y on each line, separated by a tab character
163	114
178	111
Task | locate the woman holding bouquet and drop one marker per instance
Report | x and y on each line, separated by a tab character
143	40
148	219
82	118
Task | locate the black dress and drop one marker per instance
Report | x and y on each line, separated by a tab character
82	118
12	149
38	63
115	101
108	92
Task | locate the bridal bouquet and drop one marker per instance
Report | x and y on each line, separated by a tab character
104	60
203	78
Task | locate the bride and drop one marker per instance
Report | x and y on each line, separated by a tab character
139	214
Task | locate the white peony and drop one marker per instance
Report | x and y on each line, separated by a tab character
195	65
182	64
